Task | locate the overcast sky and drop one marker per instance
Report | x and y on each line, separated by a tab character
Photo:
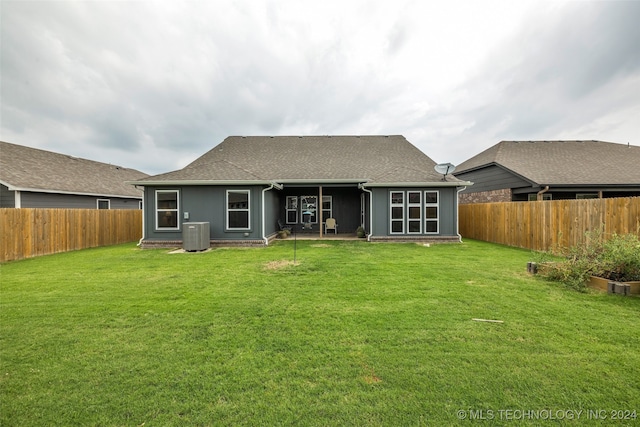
152	85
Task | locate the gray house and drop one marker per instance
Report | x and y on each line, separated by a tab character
551	170
32	178
247	188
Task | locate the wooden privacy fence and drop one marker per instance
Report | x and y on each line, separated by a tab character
26	233
548	225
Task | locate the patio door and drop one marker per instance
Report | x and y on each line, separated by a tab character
327	208
309	209
292	209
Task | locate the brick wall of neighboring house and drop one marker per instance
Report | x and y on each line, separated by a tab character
502	195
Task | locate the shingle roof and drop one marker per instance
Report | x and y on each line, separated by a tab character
372	159
563	162
24	168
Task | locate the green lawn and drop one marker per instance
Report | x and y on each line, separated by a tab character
356	334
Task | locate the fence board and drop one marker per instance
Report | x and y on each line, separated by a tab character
26	233
548	225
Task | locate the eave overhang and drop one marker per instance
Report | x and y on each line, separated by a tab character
418	184
75	193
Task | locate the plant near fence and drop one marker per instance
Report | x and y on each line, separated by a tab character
616	258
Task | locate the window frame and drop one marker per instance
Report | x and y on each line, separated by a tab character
289	210
587	196
229	210
327	199
306	206
432	205
157	210
408	212
533	197
98	201
393	205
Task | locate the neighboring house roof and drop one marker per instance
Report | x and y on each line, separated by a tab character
30	169
563	162
317	159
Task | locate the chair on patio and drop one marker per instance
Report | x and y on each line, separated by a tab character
330	224
283	227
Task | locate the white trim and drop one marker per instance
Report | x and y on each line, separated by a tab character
204	182
247	209
432	205
76	193
458	212
177	210
419	184
410	205
330	198
287	210
144	214
264	230
363	188
392	205
279	183
315	209
17	202
103	200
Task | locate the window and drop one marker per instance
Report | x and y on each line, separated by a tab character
581	196
104	204
238	209
431	212
414	218
292	209
167	203
308	209
397	212
534	197
327	207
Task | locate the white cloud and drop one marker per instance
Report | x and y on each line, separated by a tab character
152	85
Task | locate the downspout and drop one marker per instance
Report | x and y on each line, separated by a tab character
144	207
264	232
362	187
460	189
541	192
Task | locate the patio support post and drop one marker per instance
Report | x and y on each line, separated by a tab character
319	209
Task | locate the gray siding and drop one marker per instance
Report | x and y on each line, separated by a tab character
72	201
491	178
205	204
7	198
448	221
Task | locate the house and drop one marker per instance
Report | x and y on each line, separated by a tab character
33	178
246	188
551	170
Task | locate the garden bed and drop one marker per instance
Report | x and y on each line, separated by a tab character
602	284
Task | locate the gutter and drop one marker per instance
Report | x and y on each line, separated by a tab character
200	182
74	193
457	212
363	188
264	190
144	207
419	184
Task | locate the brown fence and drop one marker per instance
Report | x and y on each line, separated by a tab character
26	233
548	225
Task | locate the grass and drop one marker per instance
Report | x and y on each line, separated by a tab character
355	334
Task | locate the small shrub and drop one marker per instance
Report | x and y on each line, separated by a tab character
615	259
620	259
